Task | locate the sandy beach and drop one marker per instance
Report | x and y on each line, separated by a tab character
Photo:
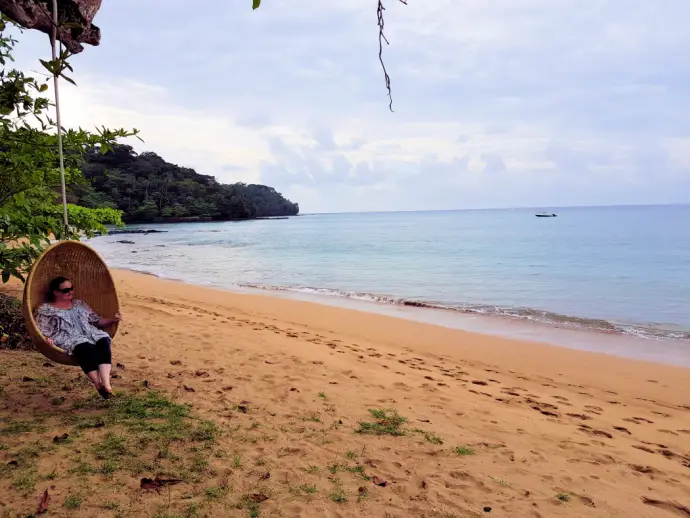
495	427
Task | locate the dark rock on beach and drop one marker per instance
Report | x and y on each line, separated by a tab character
135	231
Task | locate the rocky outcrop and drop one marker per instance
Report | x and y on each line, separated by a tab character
75	17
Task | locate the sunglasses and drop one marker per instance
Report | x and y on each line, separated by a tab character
66	290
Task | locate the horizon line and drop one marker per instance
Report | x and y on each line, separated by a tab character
521	207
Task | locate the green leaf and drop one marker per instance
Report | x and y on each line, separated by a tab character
48	65
256	4
69	80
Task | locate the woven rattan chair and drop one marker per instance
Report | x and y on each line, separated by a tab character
92	283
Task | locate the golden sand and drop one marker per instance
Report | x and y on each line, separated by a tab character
553	432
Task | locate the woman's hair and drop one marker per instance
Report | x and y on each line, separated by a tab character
54	285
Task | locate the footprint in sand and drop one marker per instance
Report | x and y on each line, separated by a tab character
673	507
637	420
597	433
580	416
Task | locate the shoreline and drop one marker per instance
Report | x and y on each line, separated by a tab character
657	350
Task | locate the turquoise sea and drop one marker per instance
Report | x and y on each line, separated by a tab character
621	271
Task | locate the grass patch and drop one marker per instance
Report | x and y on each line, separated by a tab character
112	447
312	469
563	497
250	505
20	427
500	481
139	432
338	495
236	461
214	493
108	468
429	437
25	482
308	489
82	469
387	422
359	470
350	455
199	464
322	395
464	450
73	501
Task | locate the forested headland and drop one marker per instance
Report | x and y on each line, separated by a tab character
146	188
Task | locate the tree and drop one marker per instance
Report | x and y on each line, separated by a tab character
146	188
29	160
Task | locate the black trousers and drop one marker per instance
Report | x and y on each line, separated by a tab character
89	356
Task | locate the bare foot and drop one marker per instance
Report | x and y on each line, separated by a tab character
105	393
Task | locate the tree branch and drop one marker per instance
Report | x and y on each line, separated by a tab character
382	38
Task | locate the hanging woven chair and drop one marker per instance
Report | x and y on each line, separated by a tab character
70	259
92	283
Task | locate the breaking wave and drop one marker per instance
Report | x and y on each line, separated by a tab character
658	332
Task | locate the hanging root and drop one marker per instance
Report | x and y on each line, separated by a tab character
382	39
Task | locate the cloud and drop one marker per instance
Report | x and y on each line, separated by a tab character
502	103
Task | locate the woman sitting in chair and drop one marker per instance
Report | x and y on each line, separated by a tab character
75	328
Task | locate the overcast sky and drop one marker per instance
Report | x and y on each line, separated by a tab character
497	102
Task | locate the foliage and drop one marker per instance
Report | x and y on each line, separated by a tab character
29	165
26	224
147	188
13	334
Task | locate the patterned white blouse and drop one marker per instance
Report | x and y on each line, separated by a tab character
69	327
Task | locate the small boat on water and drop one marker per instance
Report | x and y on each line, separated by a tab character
545	215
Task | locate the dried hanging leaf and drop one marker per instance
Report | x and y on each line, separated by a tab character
149	484
167	481
258	497
157	483
189	389
43	504
379	481
59	439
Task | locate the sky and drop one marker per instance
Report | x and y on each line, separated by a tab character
497	103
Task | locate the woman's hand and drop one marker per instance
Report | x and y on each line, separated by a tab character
105	322
50	341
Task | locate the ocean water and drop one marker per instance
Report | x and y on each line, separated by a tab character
609	270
